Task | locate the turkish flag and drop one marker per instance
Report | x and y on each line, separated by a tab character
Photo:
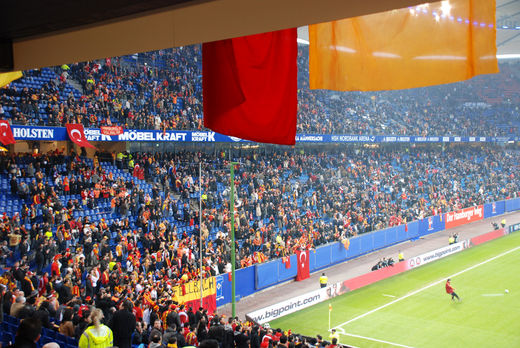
6	134
77	135
303	265
249	86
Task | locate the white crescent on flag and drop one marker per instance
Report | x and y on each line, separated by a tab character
303	265
74	132
303	258
6	134
4	127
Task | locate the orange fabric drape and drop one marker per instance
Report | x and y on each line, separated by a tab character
427	45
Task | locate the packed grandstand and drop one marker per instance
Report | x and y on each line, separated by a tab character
163	90
120	231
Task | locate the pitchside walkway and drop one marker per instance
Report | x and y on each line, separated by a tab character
362	265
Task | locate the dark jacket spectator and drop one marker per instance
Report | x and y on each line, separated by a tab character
28	333
123	326
43	315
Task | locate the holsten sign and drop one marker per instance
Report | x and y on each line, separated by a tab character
33	133
116	133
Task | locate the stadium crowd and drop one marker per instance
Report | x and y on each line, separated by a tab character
457	109
149	242
124	328
284	201
109	280
162	90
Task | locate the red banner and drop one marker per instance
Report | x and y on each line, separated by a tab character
303	265
464	216
77	135
6	134
112	130
208	302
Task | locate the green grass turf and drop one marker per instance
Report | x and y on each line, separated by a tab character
429	318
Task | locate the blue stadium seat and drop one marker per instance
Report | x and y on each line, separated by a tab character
71	341
49	333
7	338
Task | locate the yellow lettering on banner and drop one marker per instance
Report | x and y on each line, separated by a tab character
192	290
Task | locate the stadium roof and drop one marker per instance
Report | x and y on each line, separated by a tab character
44	33
508	25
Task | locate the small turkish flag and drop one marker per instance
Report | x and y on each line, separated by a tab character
6	134
77	135
303	265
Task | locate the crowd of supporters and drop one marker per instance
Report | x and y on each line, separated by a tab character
104	323
162	90
283	201
65	261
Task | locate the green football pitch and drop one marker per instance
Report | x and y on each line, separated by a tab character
412	309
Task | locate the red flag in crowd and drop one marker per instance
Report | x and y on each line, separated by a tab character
303	265
6	134
287	261
77	135
249	86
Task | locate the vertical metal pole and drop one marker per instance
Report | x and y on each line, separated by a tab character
232	212
200	229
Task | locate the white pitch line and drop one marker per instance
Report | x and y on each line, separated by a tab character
340	330
389	295
492	295
426	287
377	340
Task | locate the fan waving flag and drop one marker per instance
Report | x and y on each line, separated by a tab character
303	265
250	86
430	44
77	135
6	134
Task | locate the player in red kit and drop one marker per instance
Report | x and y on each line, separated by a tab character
451	291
